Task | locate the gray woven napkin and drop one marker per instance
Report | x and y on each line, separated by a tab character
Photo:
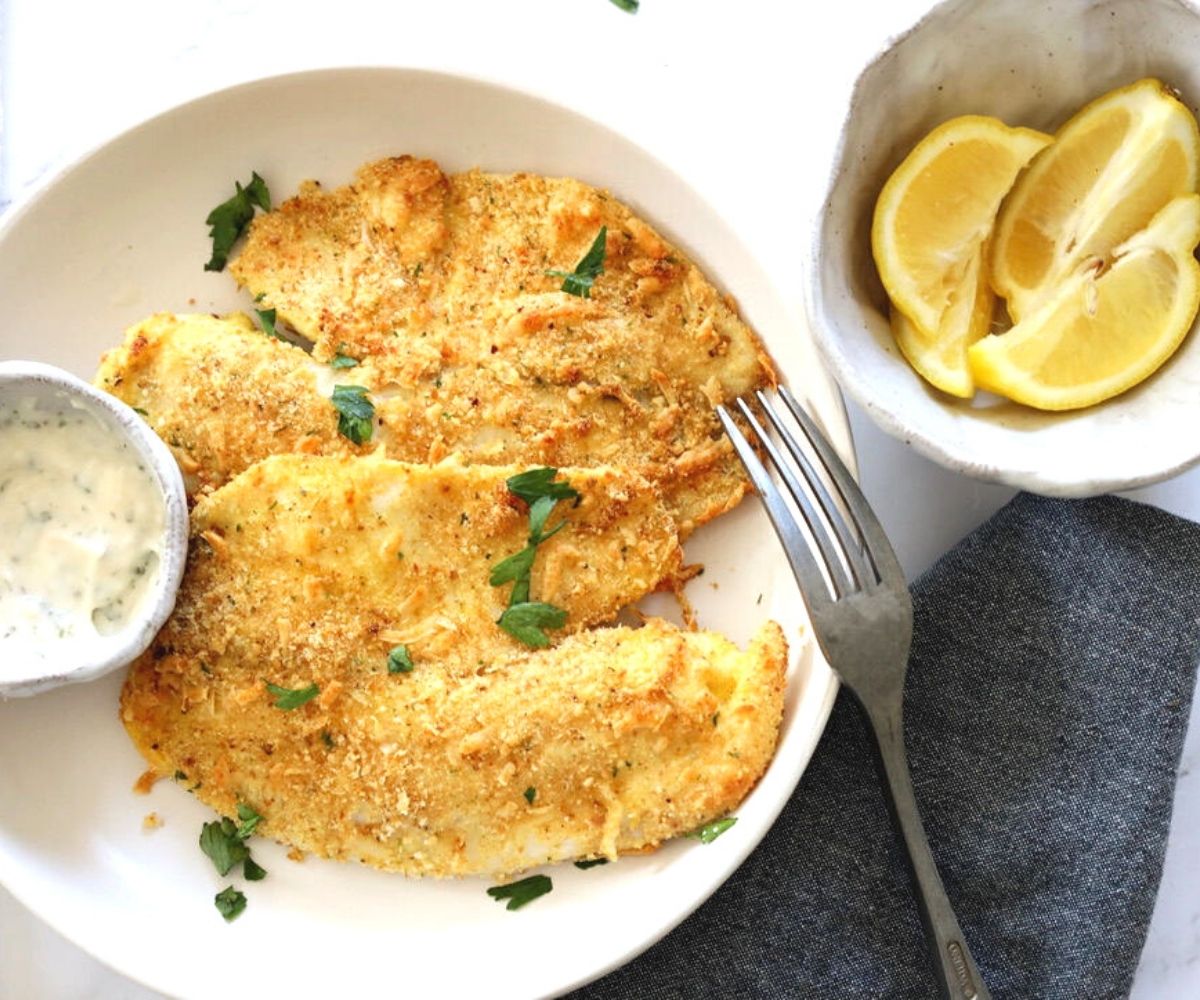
1048	693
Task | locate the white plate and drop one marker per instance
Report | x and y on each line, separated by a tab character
120	235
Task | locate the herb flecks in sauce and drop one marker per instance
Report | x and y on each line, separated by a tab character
82	528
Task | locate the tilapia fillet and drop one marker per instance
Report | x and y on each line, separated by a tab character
442	282
487	758
339	559
222	394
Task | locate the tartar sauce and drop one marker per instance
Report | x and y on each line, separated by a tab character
82	529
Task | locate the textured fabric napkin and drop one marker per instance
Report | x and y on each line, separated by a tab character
1048	692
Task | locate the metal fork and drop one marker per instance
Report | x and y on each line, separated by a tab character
861	614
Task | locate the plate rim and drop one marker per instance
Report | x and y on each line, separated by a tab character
837	416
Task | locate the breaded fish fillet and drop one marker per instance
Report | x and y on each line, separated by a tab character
223	394
613	741
441	281
339	559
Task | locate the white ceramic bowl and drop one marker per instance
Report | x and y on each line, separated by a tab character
33	378
1029	62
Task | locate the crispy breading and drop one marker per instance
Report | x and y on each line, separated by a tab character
339	559
307	570
222	394
611	742
441	281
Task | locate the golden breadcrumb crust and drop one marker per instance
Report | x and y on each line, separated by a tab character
622	738
441	281
222	394
307	570
342	558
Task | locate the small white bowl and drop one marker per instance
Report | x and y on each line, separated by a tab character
1033	63
28	377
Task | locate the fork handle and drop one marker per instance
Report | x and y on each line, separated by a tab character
952	959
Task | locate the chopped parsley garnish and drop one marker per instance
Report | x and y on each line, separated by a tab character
525	619
341	360
266	317
140	412
327	739
536	483
514	568
579	282
225	844
526	622
250	818
356	413
229	219
230	902
522	892
590	863
220	841
530	794
399	661
289	698
629	6
711	831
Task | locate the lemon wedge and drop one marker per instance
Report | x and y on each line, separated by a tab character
1105	327
941	358
936	210
1111	168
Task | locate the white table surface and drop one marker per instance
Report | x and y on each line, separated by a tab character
742	97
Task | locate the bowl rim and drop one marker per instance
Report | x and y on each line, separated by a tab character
138	633
956	457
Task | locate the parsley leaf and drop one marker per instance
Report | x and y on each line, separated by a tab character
355	412
220	841
266	317
629	6
250	818
513	567
579	282
709	832
230	903
522	892
229	219
289	698
525	621
538	512
341	360
590	863
257	192
530	794
399	661
535	483
253	871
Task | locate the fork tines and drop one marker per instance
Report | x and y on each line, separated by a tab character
853	552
